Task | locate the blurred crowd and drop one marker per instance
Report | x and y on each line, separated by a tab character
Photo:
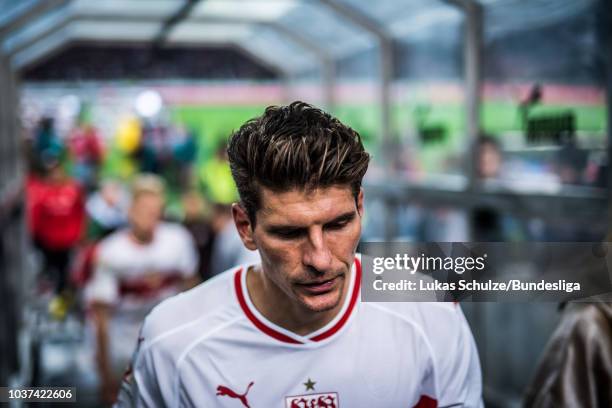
109	248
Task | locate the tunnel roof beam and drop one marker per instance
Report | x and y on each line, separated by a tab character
386	58
472	66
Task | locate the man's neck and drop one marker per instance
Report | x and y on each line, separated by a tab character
141	238
278	308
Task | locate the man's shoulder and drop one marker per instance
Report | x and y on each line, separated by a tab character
193	313
172	228
173	235
582	320
116	241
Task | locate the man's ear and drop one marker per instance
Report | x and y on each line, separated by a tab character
243	225
360	202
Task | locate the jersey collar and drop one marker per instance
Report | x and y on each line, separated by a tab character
287	336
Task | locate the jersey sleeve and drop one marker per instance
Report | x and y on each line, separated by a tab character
457	367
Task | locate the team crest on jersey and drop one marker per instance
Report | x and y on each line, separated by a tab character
322	400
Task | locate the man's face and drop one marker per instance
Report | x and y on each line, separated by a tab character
307	242
489	161
145	213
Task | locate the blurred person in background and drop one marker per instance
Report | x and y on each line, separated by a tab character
291	330
488	157
185	152
216	177
106	212
107	209
570	163
227	248
481	223
486	222
570	166
57	222
197	221
47	144
154	151
134	269
124	153
576	367
86	151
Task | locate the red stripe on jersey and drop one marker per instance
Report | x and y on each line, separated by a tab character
426	402
145	288
261	326
354	296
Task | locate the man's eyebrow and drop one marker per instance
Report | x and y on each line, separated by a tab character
280	228
347	216
286	230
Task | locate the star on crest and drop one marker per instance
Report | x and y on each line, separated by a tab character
309	385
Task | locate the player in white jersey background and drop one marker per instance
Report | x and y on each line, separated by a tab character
292	331
135	268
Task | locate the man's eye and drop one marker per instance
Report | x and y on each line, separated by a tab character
337	225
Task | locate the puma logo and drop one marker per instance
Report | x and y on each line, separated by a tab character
223	390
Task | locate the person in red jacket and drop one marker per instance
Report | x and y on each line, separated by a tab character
57	220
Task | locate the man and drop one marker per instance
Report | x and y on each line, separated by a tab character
107	209
135	268
291	331
57	220
86	151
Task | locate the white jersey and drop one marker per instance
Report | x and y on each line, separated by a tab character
135	277
210	347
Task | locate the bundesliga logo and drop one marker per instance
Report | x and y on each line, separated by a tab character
324	400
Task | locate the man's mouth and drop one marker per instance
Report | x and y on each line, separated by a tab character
320	286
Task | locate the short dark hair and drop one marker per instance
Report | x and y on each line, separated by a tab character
294	147
484	139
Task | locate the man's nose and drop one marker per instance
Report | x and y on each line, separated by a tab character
316	252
